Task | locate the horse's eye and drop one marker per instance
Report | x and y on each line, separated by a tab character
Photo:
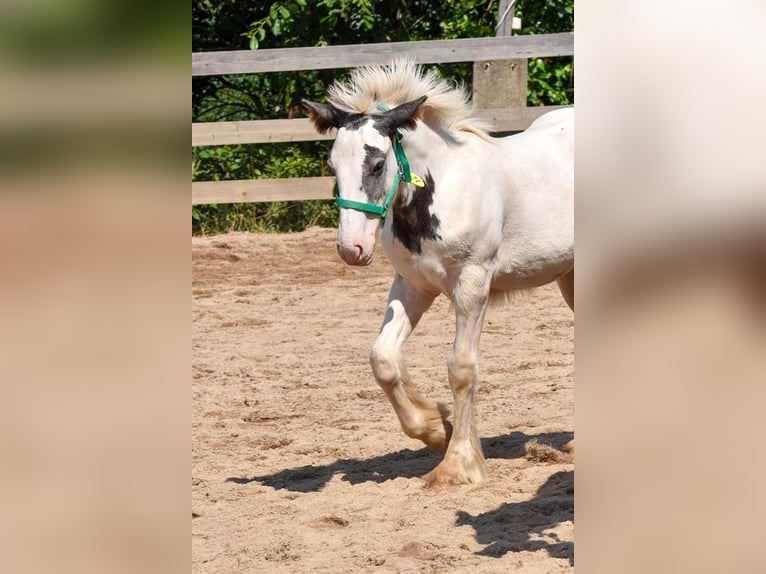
378	166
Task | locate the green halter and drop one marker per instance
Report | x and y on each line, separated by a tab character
402	173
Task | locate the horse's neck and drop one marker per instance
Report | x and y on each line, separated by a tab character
421	146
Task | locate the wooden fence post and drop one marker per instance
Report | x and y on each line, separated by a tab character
500	83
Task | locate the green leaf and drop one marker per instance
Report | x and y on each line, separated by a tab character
284	12
276	27
253	43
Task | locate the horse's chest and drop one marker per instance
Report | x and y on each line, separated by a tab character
422	268
413	221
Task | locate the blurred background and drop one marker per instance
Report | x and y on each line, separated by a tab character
94	127
95	102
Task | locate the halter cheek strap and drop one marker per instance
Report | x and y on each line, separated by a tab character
402	173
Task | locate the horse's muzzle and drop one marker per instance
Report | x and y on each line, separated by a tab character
354	255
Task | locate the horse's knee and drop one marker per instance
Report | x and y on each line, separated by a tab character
384	364
463	371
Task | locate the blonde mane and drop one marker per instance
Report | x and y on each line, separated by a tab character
447	107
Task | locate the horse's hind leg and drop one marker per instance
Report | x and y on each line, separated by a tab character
566	286
419	417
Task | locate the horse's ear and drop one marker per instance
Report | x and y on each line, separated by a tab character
324	116
403	116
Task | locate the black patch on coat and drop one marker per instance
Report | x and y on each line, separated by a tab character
356	121
373	182
414	222
384	125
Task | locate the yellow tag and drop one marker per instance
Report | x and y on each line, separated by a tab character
416	180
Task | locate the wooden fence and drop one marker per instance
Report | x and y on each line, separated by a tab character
328	57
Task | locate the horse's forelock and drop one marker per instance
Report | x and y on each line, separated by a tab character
402	81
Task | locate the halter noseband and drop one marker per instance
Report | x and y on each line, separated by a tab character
402	173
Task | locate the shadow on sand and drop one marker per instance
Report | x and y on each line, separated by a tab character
404	463
512	527
522	526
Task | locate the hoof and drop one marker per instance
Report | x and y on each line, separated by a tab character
439	438
443	481
450	473
437	430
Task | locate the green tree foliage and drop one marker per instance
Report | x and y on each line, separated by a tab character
236	25
550	80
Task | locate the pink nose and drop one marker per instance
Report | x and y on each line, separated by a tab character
353	255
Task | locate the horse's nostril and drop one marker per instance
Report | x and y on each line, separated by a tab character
350	254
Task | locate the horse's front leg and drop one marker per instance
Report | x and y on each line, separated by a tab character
420	418
464	462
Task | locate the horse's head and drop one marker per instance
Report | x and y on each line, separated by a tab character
365	168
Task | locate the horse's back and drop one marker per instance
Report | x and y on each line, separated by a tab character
545	147
562	119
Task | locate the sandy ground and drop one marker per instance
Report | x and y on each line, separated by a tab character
298	461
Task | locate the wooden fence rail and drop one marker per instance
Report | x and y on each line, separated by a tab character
301	130
254	190
351	56
298	130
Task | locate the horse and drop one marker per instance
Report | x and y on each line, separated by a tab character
459	213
